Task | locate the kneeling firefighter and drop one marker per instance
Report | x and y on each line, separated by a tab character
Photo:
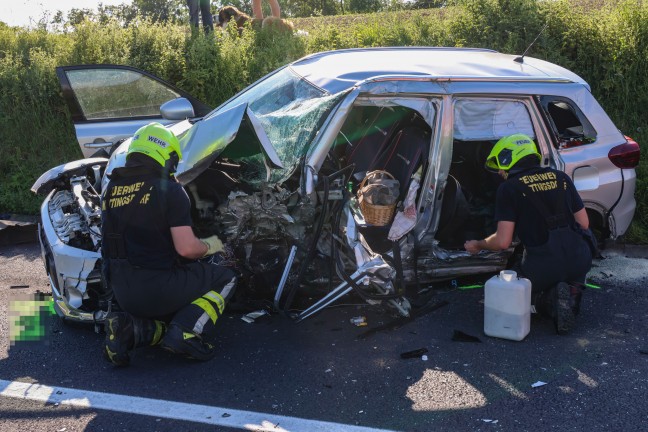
541	206
150	257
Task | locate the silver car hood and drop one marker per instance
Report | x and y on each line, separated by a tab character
206	140
46	181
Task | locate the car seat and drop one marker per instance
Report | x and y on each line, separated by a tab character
374	133
404	154
454	213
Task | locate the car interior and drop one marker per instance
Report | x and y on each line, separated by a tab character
397	140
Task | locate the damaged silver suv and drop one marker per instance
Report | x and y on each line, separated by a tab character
277	170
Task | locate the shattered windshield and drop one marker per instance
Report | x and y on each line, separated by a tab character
290	111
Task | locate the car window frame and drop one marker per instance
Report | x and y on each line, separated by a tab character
76	111
542	101
542	138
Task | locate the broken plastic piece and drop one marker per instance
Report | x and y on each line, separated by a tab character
467	287
538	384
252	316
413	354
459	336
359	321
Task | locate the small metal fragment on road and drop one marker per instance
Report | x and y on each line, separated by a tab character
424	358
538	384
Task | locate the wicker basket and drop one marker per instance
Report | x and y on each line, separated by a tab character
378	215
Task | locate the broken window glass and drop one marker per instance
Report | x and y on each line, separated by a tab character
291	111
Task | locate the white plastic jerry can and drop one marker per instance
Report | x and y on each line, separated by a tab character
507	306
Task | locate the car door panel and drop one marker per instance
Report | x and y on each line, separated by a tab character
110	102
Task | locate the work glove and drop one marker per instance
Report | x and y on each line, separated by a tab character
214	245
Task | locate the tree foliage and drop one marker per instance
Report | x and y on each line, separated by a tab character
176	11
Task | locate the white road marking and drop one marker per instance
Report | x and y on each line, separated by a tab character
246	420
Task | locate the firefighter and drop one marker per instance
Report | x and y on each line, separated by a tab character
542	207
151	257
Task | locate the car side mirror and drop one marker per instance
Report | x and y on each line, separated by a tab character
177	109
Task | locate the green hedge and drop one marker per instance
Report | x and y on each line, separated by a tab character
604	41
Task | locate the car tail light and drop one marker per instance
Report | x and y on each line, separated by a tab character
625	155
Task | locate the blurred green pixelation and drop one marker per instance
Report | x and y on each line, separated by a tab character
29	318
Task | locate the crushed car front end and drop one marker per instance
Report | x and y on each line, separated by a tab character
70	237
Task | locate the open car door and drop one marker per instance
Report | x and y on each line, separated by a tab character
110	102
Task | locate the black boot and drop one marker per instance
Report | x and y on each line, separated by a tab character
563	308
576	293
125	332
187	343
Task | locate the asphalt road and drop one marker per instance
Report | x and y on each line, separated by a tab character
321	370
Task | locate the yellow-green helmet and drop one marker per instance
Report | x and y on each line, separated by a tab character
157	142
509	150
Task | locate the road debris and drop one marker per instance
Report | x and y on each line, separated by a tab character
538	384
252	316
459	336
359	321
414	354
467	287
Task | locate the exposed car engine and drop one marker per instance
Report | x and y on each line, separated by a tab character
76	215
